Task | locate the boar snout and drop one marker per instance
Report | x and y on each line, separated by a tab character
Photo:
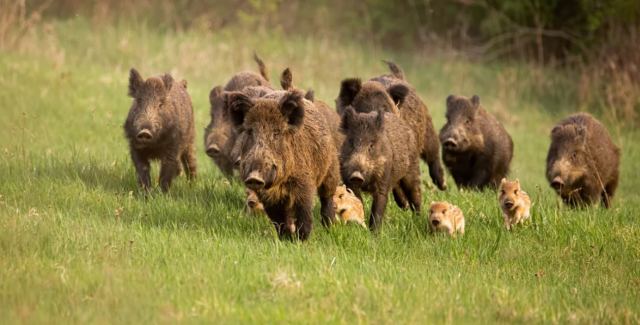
450	144
557	183
254	181
435	222
213	150
144	135
356	179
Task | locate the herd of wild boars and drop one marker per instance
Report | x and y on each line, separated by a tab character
288	147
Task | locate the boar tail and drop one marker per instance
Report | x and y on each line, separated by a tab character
261	66
395	69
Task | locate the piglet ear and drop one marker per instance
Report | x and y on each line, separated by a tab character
398	93
292	107
475	100
238	104
349	88
135	82
167	79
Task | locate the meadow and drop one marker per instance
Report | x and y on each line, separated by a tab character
80	244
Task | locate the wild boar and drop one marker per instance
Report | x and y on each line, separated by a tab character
583	162
365	97
160	126
219	136
377	156
288	155
476	148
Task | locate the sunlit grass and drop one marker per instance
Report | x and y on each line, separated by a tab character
79	243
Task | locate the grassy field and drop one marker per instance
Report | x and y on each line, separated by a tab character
79	244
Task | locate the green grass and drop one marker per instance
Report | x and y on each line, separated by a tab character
79	244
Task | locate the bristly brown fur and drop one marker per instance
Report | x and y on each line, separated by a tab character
404	101
219	138
477	149
583	156
160	126
288	145
380	148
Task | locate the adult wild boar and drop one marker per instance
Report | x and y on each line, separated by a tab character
476	148
376	94
377	156
288	155
219	136
583	161
160	126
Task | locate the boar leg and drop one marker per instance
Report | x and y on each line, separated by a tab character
304	216
435	170
400	197
378	206
189	162
325	192
280	218
411	186
479	179
609	191
143	170
169	169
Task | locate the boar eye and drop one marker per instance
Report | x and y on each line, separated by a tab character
502	192
574	156
340	196
444	211
515	192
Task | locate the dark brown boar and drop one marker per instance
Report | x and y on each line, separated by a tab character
219	135
160	126
377	156
583	161
366	97
287	156
476	148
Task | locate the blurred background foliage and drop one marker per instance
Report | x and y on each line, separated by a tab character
593	41
543	30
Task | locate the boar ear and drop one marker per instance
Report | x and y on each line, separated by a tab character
398	93
286	79
167	79
292	107
450	99
310	95
350	191
135	82
475	100
347	117
518	181
215	94
238	105
503	180
349	89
